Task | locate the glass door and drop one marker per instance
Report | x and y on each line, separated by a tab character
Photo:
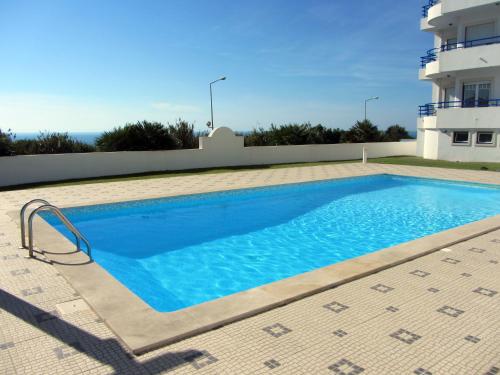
469	97
476	94
483	94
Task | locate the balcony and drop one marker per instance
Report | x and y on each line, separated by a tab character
430	109
446	117
465	55
426	7
439	14
432	54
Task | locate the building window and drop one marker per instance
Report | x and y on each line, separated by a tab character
461	138
478	35
451	43
484	138
476	94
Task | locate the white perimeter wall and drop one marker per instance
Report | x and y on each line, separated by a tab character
220	148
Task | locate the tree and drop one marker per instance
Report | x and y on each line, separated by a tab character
395	133
6	143
362	132
183	132
51	143
258	137
320	135
142	136
293	134
290	134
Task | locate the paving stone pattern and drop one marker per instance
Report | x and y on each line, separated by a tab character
438	314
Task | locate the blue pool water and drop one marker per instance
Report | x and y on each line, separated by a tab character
178	252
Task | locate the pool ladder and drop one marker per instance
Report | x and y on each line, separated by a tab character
46	206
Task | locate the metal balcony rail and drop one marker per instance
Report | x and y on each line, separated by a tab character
426	7
432	54
430	57
431	108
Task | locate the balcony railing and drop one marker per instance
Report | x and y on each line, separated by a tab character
426	7
432	54
430	57
431	108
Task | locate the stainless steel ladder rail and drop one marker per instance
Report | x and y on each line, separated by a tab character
22	213
64	220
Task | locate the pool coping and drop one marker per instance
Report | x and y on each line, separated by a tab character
142	328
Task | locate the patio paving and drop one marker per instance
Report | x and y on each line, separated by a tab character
438	314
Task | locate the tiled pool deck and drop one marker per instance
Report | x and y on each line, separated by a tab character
438	314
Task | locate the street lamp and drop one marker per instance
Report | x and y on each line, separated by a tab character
367	100
211	101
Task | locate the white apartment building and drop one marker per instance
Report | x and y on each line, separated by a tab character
463	121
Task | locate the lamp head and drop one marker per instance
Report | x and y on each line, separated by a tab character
223	78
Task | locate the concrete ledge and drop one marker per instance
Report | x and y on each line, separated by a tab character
143	329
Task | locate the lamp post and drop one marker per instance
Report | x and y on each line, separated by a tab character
211	101
367	100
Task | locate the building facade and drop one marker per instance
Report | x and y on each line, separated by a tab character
462	123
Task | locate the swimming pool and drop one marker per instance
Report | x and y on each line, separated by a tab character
179	252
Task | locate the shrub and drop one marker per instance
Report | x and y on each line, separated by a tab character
321	135
6	143
362	132
51	143
142	136
293	134
184	133
258	137
395	133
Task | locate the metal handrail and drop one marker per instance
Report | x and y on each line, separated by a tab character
429	109
432	54
65	221
21	214
430	57
426	7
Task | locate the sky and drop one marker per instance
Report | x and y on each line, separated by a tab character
92	65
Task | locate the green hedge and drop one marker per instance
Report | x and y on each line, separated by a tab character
305	134
50	143
45	143
149	136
